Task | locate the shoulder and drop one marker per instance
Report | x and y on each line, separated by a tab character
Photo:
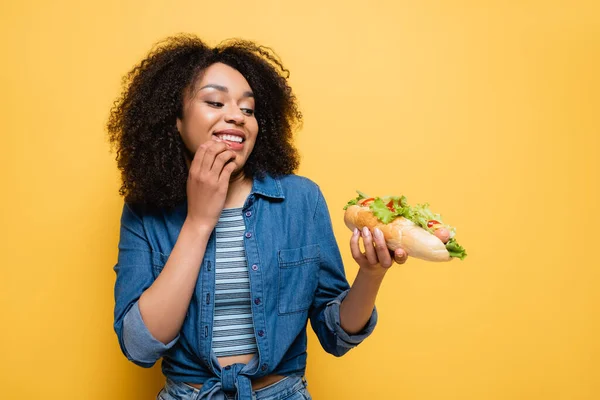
297	182
301	193
297	185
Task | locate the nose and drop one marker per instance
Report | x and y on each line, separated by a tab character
235	116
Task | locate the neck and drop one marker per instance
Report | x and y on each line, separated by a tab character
239	188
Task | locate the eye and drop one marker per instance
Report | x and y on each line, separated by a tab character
248	111
215	104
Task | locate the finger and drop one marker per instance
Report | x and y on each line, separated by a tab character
383	254
213	148
198	158
369	249
227	171
400	256
221	159
355	248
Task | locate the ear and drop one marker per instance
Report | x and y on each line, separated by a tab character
179	124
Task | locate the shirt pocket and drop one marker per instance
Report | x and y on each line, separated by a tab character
298	278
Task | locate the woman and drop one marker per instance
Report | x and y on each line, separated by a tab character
224	253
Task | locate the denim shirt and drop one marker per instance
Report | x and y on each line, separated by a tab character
295	271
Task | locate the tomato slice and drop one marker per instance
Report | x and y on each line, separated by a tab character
432	223
365	201
390	206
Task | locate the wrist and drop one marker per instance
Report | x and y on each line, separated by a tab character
373	275
198	230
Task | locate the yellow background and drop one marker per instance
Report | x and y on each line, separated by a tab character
487	110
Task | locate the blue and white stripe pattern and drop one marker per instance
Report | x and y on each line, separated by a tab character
233	331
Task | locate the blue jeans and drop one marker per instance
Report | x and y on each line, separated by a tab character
289	388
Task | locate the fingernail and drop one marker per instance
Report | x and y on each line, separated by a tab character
366	232
355	232
378	233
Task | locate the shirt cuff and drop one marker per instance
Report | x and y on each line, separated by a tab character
139	343
332	319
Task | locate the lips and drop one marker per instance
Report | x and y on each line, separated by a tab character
231	135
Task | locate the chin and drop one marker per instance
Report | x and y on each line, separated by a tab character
239	171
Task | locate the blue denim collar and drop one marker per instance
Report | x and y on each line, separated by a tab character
268	186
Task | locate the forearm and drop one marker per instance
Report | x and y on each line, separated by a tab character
357	307
163	306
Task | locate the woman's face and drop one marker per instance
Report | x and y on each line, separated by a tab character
222	107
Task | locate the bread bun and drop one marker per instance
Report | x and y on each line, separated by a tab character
400	233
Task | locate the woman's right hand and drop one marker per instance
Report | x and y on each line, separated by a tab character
207	184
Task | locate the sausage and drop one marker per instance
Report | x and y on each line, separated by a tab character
443	234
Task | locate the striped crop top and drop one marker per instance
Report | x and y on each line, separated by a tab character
233	331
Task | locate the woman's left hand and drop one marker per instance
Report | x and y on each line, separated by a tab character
377	258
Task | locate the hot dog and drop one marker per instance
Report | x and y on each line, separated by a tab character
417	230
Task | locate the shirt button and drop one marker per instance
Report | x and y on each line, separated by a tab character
261	333
257	301
263	367
248	213
248	235
255	267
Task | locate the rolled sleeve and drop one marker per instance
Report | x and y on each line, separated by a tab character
332	320
331	291
134	270
141	347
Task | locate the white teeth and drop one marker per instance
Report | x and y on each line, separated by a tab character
230	138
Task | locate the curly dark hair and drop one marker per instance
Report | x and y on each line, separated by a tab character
151	154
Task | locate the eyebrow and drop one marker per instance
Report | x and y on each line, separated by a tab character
224	89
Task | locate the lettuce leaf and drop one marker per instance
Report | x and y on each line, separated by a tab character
355	201
421	214
455	249
381	211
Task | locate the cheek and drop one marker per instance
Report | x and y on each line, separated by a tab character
198	125
254	128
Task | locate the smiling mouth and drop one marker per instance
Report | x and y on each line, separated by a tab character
230	138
